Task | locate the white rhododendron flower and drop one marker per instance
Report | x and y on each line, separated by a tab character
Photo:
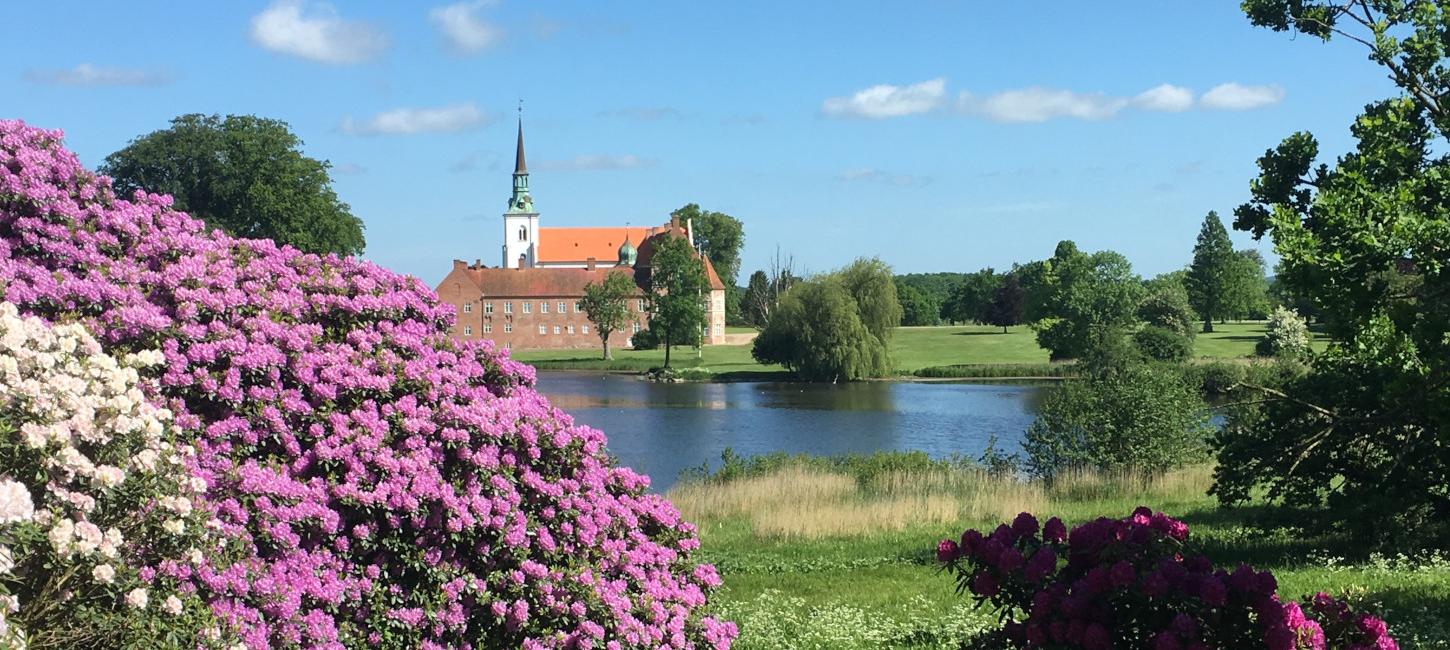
15	503
98	470
104	574
137	598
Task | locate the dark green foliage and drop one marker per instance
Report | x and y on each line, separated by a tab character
1248	287
677	294
818	334
836	327
1008	303
917	308
1091	298
1216	378
1143	419
605	304
968	300
1364	436
243	174
1210	277
1163	344
645	339
719	236
937	287
1165	305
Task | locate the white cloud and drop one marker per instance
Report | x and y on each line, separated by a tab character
407	121
1233	96
461	26
872	175
320	36
1166	97
885	100
1039	104
598	162
87	74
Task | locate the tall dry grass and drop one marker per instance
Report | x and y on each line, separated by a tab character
796	502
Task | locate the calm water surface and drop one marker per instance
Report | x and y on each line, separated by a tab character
661	429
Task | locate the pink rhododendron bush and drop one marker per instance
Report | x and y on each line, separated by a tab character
93	495
1132	583
385	486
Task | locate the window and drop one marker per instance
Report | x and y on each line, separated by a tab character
488	328
577	309
508	345
586	329
543	329
556	329
508	328
468	308
523	233
571	329
563	308
636	328
488	308
468	330
508	307
717	330
543	307
639	305
528	307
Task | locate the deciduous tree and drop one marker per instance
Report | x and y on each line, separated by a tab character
243	174
606	304
676	300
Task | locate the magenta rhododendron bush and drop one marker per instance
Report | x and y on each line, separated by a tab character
1132	583
389	487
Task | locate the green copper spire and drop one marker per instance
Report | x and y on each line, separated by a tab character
521	202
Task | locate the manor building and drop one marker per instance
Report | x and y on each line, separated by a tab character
531	300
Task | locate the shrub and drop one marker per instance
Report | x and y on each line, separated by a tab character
1145	418
1162	344
818	333
1166	305
645	339
93	496
1135	583
1286	336
386	484
1217	377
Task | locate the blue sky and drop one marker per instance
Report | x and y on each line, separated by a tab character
938	136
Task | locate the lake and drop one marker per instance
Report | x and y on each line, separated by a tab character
662	429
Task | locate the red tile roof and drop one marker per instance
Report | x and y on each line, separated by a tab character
580	244
538	281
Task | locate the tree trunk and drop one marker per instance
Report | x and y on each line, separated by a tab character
1004	329
1208	325
667	348
607	357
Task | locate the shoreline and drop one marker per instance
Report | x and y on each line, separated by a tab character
783	377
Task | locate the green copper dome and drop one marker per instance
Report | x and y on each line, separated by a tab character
627	253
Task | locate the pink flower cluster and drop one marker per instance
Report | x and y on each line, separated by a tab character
391	487
1126	583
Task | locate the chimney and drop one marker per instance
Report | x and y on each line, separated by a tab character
459	265
477	263
690	231
674	221
589	264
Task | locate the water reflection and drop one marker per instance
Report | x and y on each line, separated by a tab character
661	429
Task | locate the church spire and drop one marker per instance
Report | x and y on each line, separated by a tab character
519	166
520	201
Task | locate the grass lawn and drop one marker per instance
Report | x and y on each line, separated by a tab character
794	577
913	348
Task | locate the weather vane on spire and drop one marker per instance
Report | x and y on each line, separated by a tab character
521	108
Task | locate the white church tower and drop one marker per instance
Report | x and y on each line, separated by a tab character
521	222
